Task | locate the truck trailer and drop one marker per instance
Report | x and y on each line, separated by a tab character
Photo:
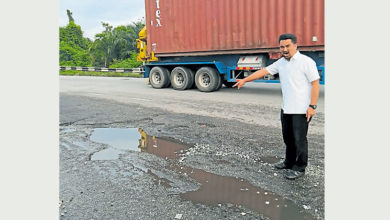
210	43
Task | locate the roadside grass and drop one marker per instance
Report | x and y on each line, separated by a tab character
92	73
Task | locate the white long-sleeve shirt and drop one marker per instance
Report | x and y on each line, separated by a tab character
295	77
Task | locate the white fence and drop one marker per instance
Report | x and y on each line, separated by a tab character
102	69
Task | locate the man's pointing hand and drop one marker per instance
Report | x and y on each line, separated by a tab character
240	83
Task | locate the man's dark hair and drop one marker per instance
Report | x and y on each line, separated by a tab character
292	37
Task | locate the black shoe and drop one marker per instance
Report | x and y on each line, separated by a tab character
293	174
281	165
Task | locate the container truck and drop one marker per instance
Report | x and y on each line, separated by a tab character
210	43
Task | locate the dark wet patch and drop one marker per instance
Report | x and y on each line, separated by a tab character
67	130
81	144
204	125
216	189
178	127
223	161
65	145
270	159
158	124
106	154
159	181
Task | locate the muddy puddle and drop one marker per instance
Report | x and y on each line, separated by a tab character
214	190
121	140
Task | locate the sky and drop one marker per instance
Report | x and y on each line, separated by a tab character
89	14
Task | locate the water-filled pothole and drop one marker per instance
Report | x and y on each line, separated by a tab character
214	189
121	140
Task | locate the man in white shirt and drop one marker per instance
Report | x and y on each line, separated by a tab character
299	81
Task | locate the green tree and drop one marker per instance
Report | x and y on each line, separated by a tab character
71	55
73	46
128	62
113	47
103	49
72	34
123	48
128	35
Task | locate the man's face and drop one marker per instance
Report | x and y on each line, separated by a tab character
287	48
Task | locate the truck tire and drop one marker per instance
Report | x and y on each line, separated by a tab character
207	79
220	83
228	84
182	78
159	77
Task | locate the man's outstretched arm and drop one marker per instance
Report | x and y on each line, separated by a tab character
256	75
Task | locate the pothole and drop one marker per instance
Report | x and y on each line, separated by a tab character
217	190
214	189
121	140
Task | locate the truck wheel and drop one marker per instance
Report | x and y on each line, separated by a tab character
228	84
182	78
220	83
159	77
207	79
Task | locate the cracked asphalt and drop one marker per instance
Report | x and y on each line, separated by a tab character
228	133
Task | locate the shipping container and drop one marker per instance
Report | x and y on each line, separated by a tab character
203	27
219	33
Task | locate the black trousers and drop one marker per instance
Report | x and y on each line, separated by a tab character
294	129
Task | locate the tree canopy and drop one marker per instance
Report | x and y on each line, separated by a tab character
112	47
